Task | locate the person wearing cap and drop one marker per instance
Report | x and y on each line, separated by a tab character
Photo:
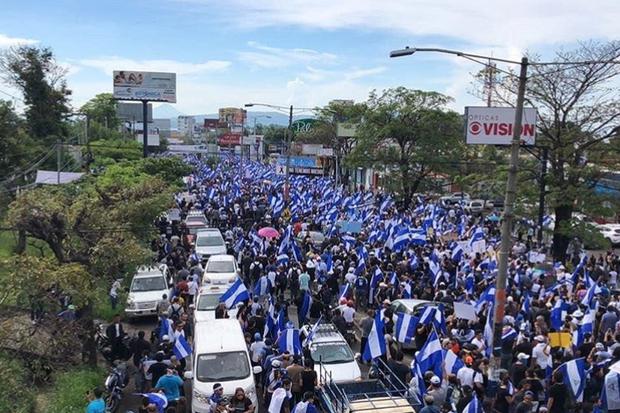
438	390
518	369
541	353
527	404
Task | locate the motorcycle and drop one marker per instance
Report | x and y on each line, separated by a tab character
116	381
104	346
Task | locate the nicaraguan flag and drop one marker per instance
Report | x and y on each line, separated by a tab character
610	396
457	253
312	332
417	237
261	287
401	240
405	327
165	328
270	327
488	296
304	311
556	316
509	334
297	252
578	268
344	292
181	348
375	346
235	294
361	266
289	341
406	289
439	320
588	299
527	303
282	260
452	362
574	373
430	357
478	235
427	315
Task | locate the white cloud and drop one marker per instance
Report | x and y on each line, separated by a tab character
109	64
481	22
7	41
275	57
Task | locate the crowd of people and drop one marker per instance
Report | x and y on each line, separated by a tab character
562	320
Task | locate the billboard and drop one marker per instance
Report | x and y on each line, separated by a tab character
153	86
494	126
229	139
232	116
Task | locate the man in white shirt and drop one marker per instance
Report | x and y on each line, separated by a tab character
467	376
348	313
478	341
541	353
192	289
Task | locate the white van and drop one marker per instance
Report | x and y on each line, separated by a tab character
207	300
220	355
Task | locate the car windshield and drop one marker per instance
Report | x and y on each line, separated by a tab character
331	353
155	283
195	220
222	366
208	302
209	241
220	267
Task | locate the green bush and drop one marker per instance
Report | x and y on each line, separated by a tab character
16	395
70	387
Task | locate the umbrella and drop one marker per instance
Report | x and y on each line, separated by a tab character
268	232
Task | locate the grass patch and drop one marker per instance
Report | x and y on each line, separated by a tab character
102	308
16	395
70	387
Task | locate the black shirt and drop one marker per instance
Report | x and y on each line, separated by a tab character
559	393
308	378
240	406
501	404
157	370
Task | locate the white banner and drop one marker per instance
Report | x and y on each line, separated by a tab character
494	126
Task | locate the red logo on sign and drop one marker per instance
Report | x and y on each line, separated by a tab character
475	128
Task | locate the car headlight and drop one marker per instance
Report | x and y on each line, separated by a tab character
207	280
200	396
130	303
232	279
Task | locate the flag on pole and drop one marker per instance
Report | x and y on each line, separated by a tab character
430	356
304	311
375	346
574	373
289	341
235	294
181	348
452	362
405	327
310	337
473	406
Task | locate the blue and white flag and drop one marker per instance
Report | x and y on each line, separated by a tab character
457	253
289	341
344	292
417	237
181	348
361	266
235	294
282	260
427	315
610	396
375	346
405	327
474	406
452	362
297	252
488	296
478	235
166	328
557	314
574	373
527	303
509	334
579	268
401	240
308	340
430	356
304	311
591	293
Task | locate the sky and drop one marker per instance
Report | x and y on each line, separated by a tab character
299	52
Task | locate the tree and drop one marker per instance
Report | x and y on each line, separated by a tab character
409	134
274	134
579	113
35	72
102	110
15	145
325	129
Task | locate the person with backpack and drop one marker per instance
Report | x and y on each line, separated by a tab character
175	310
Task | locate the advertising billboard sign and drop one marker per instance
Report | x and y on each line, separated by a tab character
494	126
153	86
229	139
299	161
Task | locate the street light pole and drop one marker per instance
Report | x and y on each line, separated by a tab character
507	219
289	133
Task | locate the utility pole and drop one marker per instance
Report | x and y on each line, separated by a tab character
489	82
145	129
58	160
289	139
541	195
508	217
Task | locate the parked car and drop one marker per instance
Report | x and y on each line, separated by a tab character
148	286
209	242
220	269
611	232
475	206
457	197
332	355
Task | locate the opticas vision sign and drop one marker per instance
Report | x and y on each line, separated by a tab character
494	126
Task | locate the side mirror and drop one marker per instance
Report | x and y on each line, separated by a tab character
358	356
188	375
257	369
